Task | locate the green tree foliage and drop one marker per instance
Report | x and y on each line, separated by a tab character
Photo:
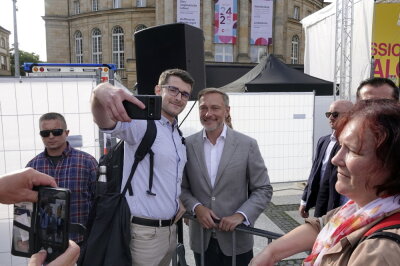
24	57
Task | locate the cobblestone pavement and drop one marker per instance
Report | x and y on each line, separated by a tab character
279	216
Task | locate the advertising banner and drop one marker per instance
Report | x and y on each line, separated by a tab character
261	22
188	11
385	47
225	21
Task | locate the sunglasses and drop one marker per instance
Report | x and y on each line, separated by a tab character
334	114
56	132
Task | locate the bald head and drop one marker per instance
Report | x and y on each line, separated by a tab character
377	88
337	109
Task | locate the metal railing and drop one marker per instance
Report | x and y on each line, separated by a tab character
180	260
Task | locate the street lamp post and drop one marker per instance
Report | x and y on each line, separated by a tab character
16	50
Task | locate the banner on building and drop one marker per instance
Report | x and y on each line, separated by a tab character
188	11
225	21
261	22
385	47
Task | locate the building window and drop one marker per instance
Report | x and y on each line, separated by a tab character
96	47
295	50
140	3
95	5
2	43
140	27
3	62
223	52
256	52
296	13
116	3
118	46
77	7
78	47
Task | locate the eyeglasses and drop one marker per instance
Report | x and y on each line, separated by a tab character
56	132
334	114
174	91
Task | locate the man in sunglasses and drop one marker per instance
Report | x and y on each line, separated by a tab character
322	169
155	212
71	168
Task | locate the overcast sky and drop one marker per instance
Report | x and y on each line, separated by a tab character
31	30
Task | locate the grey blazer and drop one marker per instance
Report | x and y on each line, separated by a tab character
241	170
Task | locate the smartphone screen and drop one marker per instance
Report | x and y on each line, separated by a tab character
52	221
22	233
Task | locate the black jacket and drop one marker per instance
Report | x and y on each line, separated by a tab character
314	194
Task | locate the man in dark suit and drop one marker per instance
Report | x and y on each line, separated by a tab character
372	88
322	168
225	180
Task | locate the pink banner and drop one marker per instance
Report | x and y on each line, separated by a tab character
225	21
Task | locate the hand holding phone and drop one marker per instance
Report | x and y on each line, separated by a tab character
52	221
44	225
151	112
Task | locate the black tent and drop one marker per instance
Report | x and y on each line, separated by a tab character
277	77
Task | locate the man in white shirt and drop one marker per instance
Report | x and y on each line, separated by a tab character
225	180
154	212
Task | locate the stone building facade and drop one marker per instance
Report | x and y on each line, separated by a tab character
5	68
101	31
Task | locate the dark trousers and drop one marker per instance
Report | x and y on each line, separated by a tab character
214	256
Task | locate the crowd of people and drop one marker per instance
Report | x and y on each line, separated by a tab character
219	175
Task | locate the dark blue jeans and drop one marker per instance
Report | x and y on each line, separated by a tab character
214	256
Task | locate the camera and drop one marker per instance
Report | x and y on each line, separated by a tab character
151	112
43	225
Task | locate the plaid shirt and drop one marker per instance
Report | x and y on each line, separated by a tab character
77	171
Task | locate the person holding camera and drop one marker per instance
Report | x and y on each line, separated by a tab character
71	168
155	211
17	187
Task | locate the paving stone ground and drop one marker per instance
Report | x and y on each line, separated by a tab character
280	217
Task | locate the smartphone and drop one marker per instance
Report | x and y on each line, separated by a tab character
151	112
42	225
52	221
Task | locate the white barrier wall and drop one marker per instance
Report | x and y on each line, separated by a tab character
282	124
22	102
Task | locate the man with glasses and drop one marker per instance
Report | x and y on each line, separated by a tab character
153	214
322	169
377	88
71	168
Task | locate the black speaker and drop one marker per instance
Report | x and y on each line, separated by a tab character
168	46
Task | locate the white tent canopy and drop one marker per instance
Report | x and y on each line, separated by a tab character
320	28
239	84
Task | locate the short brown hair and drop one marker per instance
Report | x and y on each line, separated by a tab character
182	74
377	82
54	116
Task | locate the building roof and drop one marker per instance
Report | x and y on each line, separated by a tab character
6	31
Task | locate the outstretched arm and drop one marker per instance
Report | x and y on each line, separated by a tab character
298	240
107	107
